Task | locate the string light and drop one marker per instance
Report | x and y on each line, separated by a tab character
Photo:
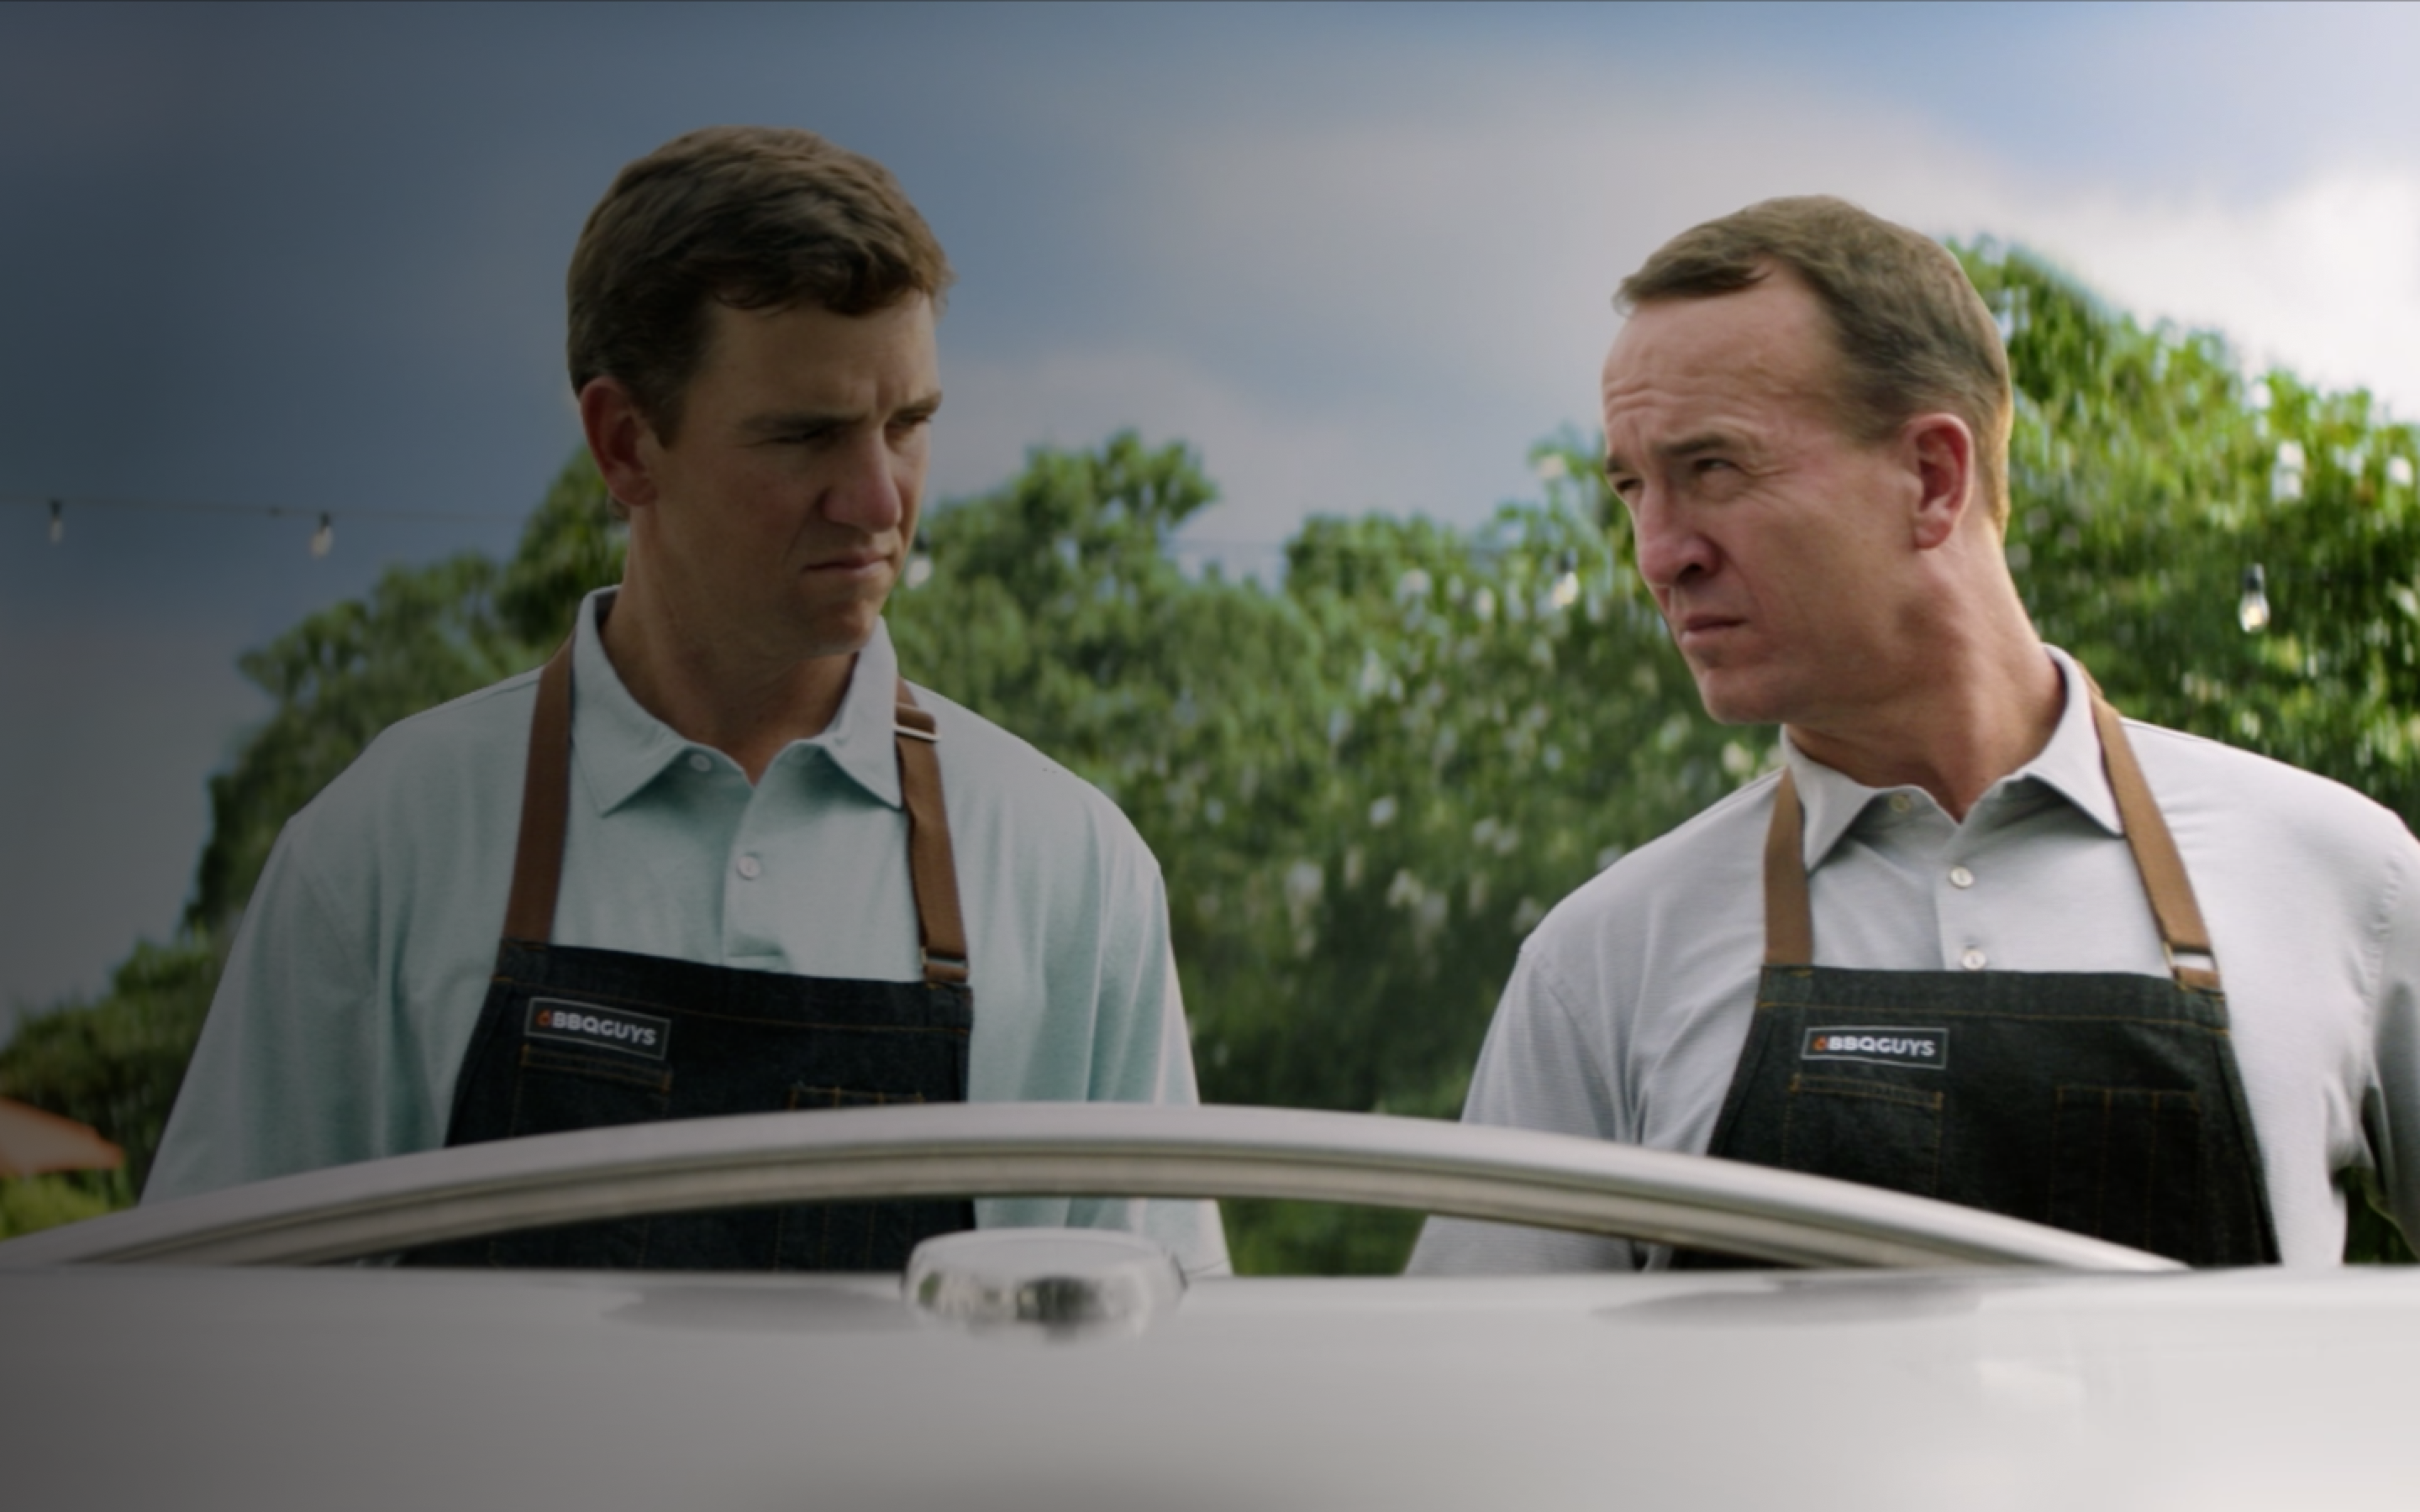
2253	612
1564	591
1567	579
57	507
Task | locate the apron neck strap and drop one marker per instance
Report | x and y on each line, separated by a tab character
2182	934
941	929
546	806
546	803
1790	918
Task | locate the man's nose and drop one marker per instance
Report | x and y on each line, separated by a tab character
1669	549
870	491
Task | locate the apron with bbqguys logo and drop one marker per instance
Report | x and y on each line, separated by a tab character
2104	1102
576	1038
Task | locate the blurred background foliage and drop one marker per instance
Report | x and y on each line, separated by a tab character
1368	782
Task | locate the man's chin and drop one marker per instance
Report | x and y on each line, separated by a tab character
1733	699
838	635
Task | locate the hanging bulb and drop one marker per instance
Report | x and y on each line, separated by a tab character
1567	579
323	540
2253	612
59	522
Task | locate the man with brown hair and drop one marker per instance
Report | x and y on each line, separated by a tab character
1979	938
736	862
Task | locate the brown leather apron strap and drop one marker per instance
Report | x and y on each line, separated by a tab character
941	929
1788	917
2182	934
546	802
1788	912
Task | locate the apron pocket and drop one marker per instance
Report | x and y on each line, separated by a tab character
855	1236
555	1091
2126	1166
559	1091
1871	1132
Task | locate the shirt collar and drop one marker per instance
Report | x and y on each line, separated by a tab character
862	739
2068	765
620	748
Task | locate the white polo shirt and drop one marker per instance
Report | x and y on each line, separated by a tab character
1626	1014
364	957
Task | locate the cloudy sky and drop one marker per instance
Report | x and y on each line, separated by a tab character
311	258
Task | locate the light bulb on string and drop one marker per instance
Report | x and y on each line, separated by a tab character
59	522
323	540
2253	611
1567	579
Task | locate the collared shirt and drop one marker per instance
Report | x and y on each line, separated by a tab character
1626	1014
362	959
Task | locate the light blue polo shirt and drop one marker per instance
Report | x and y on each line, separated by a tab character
362	959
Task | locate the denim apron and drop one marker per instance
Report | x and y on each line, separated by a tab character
2103	1103
578	1038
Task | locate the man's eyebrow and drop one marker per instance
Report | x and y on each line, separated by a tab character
1712	441
791	422
795	422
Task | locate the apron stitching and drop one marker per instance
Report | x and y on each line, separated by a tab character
651	1005
1875	1091
533	1059
1869	1011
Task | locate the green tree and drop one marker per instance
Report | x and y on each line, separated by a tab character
113	1063
2149	475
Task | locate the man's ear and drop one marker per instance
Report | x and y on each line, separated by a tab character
621	441
1941	450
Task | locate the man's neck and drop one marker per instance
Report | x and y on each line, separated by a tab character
719	691
1978	720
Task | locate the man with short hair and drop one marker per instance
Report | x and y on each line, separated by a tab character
738	864
1979	939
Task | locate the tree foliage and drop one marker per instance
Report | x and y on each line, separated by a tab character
2149	475
1366	783
115	1064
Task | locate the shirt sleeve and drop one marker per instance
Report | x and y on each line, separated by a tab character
2391	1108
1144	1053
283	1078
1111	945
1537	1070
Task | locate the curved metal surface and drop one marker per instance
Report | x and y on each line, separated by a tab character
1066	1149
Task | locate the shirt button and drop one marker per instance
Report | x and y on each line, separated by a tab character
1961	877
700	761
1901	803
1973	959
751	869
